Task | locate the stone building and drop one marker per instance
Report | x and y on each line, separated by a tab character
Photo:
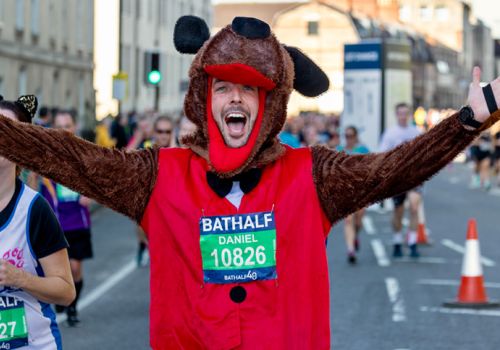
46	49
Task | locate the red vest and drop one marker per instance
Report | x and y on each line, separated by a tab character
290	312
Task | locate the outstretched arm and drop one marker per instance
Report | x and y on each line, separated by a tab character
118	179
348	183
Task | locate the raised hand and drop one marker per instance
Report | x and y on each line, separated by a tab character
476	97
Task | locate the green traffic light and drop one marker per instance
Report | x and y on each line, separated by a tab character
154	77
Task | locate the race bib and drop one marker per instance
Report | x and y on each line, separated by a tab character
238	248
64	194
13	327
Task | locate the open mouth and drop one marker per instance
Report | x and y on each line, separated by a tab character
235	123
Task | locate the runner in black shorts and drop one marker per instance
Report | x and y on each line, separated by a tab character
72	211
402	132
415	198
481	153
496	157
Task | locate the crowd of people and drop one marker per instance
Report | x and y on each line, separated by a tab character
141	130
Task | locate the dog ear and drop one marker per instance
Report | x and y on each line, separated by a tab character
251	28
309	80
190	33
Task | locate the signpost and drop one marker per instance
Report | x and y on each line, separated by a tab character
120	84
377	76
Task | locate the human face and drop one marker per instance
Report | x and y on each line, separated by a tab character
163	133
310	135
350	138
4	163
234	108
403	115
65	122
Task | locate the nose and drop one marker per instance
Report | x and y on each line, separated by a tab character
235	95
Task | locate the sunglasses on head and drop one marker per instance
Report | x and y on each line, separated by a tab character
163	131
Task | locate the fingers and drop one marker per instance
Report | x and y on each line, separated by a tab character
3	271
476	75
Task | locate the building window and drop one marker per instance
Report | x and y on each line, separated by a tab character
405	13
22	81
137	72
442	13
126	56
138	8
426	13
64	22
79	26
2	11
90	27
126	6
150	10
53	20
81	100
312	28
20	14
35	17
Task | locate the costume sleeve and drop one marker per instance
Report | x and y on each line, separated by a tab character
118	179
346	183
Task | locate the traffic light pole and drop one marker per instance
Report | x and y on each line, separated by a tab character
157	98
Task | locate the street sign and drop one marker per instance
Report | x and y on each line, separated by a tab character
120	83
377	76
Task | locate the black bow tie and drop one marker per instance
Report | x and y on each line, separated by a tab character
248	180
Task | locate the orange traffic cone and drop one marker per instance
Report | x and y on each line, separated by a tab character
472	293
422	235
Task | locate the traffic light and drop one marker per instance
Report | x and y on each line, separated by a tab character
152	72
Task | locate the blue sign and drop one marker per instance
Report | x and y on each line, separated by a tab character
363	56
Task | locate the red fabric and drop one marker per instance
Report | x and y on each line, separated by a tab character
291	312
240	73
222	157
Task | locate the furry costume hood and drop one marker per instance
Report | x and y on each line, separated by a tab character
249	42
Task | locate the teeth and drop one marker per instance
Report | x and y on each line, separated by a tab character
236	115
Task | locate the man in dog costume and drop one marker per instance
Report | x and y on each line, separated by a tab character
237	221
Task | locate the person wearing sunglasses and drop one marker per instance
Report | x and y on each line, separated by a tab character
353	222
162	131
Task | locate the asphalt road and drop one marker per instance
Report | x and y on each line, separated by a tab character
377	304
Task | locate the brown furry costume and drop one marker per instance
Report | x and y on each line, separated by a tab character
124	180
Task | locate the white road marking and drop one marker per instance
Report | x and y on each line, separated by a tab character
495	191
398	305
473	312
368	225
454	180
460	249
379	250
438	282
103	288
423	259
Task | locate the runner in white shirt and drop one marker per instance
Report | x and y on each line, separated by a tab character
402	132
34	264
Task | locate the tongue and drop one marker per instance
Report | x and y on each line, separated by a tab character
236	127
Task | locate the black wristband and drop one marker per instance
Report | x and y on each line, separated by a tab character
490	99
